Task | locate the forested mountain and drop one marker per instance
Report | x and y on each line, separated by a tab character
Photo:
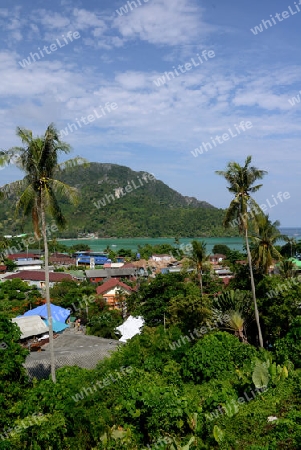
115	201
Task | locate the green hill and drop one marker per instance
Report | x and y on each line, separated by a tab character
115	201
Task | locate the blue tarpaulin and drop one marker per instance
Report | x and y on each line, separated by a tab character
57	326
58	314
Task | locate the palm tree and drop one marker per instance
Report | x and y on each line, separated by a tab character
4	244
287	269
39	160
199	257
241	180
233	309
292	241
267	234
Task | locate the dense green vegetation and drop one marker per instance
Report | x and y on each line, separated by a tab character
188	381
152	209
215	367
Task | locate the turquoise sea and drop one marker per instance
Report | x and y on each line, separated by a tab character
236	243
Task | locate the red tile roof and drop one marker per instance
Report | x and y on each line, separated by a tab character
110	284
39	275
23	256
62	260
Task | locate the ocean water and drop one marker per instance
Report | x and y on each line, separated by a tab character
235	243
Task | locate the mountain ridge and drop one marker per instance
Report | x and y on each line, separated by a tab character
116	201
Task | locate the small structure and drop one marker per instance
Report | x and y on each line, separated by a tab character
58	314
217	258
130	328
224	273
162	258
31	326
112	291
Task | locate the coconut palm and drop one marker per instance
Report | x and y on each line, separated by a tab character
198	258
292	242
241	181
39	160
287	269
267	234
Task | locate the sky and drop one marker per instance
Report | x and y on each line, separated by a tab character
145	84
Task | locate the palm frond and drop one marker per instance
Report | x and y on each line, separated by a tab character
60	188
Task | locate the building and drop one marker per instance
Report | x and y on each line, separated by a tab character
29	264
98	275
217	258
25	256
37	277
113	292
60	259
162	258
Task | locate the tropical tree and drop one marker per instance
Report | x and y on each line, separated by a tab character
241	181
287	268
292	242
198	258
264	251
38	158
234	310
4	244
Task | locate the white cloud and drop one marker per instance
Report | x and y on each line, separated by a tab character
163	22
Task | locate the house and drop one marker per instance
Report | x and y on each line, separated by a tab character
162	258
60	259
29	264
112	290
37	277
25	256
223	273
98	275
217	258
3	269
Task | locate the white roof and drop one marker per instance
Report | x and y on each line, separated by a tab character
31	326
31	262
130	328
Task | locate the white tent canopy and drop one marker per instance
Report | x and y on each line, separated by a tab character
31	326
130	328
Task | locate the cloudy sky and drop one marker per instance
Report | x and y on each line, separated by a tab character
96	70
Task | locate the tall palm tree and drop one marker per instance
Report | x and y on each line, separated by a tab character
267	234
199	257
241	180
292	241
39	160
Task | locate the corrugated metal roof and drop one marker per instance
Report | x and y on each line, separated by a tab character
31	326
106	273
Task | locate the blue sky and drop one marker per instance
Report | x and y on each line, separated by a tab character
115	60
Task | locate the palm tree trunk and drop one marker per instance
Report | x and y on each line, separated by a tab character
52	360
201	282
253	289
